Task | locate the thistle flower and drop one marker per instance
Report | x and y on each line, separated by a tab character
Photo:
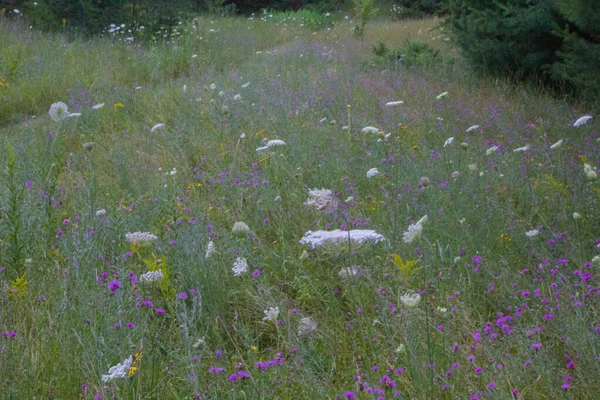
370	129
271	314
320	199
372	173
306	327
120	370
138	237
557	144
521	149
394	103
583	120
319	238
58	111
472	128
449	141
410	299
240	229
240	266
210	250
532	233
414	231
156	127
151	276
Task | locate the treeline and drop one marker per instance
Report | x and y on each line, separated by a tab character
554	42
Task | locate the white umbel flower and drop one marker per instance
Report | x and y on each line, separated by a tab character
557	144
151	276
414	231
582	121
58	111
394	103
589	172
98	106
472	128
240	266
410	299
156	127
138	237
372	173
210	249
319	238
449	141
271	314
71	115
442	95
348	272
245	85
532	233
100	212
120	370
237	97
240	229
491	150
274	143
320	199
306	327
369	129
522	149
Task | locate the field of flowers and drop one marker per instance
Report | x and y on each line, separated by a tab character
252	208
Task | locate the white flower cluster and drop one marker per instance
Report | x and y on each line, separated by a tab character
319	238
410	299
372	173
58	111
414	231
138	237
532	233
369	129
348	272
581	121
320	199
120	370
240	266
151	276
271	143
306	327
210	249
271	314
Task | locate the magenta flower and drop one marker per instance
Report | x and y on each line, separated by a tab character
114	285
160	310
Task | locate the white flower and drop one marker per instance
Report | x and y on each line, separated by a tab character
173	171
240	229
401	348
410	299
194	55
306	327
455	174
349	200
414	231
473	128
243	136
100	212
345	127
273	143
119	371
304	255
245	85
184	88
369	129
98	106
322	120
532	233
319	238
16	11
372	173
577	216
138	237
521	149
442	95
394	103
156	127
442	310
261	149
210	249
491	150
583	120
213	86
449	141
557	144
271	314
71	115
240	266
277	198
221	93
348	272
320	199
237	97
58	111
473	167
138	88
151	276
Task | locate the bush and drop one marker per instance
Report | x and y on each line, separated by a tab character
412	53
415	8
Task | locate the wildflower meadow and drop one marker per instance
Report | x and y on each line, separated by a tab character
260	207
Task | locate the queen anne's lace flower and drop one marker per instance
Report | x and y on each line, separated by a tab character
521	149
372	173
240	266
306	327
151	276
410	299
156	127
557	144
273	143
414	231
370	129
320	199
532	233
138	237
271	314
120	370
394	103
583	120
210	249
449	141
319	238
58	111
472	128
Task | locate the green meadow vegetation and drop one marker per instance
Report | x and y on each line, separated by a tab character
274	207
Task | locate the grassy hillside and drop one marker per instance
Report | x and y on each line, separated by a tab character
493	296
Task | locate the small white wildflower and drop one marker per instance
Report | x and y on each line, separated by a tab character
306	327
401	348
194	55
442	310
532	233
199	342
394	103
369	129
414	231
243	136
260	150
240	229
596	261
245	85
583	120
319	238
577	216
138	88
349	200
521	149
277	198
372	173
173	171
58	111
156	127
271	314
71	115
100	212
184	88
472	128
120	370
304	255
449	141
139	237
455	174
98	106
88	145
320	199
589	172
345	127
221	93
491	150
557	144
442	95
322	120
348	272
410	299
473	167
237	97
213	86
152	276
210	250
273	143
240	266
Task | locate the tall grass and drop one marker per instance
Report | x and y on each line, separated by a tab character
72	304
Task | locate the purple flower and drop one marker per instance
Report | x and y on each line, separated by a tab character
182	295
215	370
536	346
114	285
160	310
350	395
256	273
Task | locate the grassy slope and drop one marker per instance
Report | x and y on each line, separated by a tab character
78	329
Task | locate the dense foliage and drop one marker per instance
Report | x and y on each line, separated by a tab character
554	41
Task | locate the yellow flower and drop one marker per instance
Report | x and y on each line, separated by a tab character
408	268
18	287
118	105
